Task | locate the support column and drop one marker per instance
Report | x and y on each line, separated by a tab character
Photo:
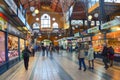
70	26
19	47
105	38
102	17
6	49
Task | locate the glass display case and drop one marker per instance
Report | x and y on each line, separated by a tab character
97	42
114	40
12	47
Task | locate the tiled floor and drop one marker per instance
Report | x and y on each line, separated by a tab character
62	67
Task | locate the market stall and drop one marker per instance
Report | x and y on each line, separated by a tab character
12	47
3	26
113	39
2	47
97	42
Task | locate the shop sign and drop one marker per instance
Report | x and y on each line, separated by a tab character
3	24
84	32
94	29
79	40
13	30
21	17
110	24
77	35
12	5
86	39
27	25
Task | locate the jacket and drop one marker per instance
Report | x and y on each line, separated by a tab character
90	55
105	51
81	54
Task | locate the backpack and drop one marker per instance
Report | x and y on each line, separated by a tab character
25	54
111	51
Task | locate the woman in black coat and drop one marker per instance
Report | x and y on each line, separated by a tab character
26	53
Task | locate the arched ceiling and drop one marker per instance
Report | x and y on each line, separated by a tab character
57	8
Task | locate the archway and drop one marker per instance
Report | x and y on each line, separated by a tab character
46	42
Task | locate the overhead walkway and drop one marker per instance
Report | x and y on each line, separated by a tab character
63	66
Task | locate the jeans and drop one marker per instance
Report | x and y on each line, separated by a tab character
82	62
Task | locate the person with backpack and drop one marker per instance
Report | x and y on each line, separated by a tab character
111	55
26	53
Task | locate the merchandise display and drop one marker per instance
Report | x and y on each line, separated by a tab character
21	45
97	42
2	47
3	24
114	40
98	45
12	47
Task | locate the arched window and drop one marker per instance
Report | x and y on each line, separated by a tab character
55	25
45	21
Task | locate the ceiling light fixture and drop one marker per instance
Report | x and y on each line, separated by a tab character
76	26
90	17
60	35
73	28
53	19
37	19
33	14
36	11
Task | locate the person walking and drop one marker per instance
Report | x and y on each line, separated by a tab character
81	57
26	53
90	57
105	56
43	49
51	49
47	49
111	55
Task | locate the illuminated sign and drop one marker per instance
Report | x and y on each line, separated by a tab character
12	5
94	29
87	39
77	35
110	24
21	17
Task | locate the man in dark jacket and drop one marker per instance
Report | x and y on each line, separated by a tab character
26	53
111	55
105	56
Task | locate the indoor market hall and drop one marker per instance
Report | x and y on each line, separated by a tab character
62	66
59	39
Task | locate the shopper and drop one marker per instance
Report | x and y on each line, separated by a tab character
47	49
26	53
90	57
111	55
81	57
33	51
43	49
105	56
51	49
